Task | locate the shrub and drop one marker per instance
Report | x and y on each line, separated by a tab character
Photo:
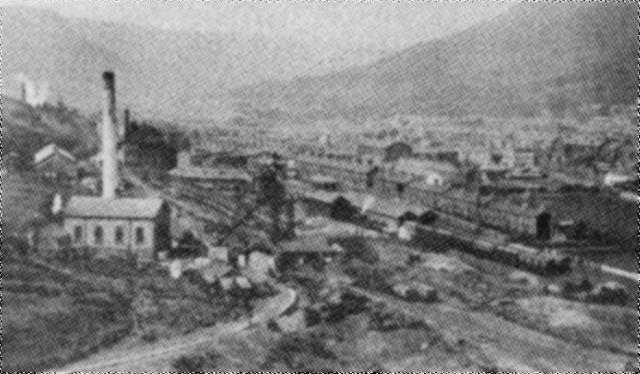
357	248
189	364
150	336
272	325
384	319
369	277
291	346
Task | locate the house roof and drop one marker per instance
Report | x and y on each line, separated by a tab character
307	244
396	208
322	196
350	166
322	179
210	173
215	270
413	166
98	207
48	151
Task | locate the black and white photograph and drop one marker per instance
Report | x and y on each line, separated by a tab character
319	186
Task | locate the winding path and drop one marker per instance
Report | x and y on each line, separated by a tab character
159	356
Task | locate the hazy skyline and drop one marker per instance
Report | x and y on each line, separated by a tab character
388	25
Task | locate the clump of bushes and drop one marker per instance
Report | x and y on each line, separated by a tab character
189	364
385	319
370	277
333	311
297	349
40	289
357	248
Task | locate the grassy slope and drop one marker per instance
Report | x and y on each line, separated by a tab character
27	129
160	72
46	322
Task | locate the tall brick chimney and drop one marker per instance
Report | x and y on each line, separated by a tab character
109	138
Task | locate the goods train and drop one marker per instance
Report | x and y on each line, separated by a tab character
430	237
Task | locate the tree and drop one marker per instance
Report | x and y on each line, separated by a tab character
189	246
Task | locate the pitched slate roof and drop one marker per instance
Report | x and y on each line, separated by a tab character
322	179
396	207
98	207
307	244
210	173
214	271
48	151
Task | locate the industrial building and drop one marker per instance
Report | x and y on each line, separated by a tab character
306	250
109	225
119	226
397	192
213	179
384	151
433	173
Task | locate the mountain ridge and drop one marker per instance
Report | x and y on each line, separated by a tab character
532	58
160	73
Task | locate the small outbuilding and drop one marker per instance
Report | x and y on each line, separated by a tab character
312	250
54	162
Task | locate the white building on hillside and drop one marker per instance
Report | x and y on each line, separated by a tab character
53	161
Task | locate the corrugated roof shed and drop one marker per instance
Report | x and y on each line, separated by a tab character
98	207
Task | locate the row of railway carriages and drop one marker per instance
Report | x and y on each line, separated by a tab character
344	207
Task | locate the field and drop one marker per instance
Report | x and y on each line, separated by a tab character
485	319
50	318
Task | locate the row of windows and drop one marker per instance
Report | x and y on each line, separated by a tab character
98	235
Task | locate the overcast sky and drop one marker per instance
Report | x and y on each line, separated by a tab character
378	24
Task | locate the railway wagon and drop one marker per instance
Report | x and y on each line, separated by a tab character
531	222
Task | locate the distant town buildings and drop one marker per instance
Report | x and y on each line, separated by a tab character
432	173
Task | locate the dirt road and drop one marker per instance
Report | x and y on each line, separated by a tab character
159	356
509	345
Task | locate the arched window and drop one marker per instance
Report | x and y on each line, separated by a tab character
139	235
98	235
77	234
119	236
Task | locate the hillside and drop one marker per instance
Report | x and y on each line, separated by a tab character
26	129
554	56
160	73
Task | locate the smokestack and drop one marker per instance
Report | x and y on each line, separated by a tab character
109	138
